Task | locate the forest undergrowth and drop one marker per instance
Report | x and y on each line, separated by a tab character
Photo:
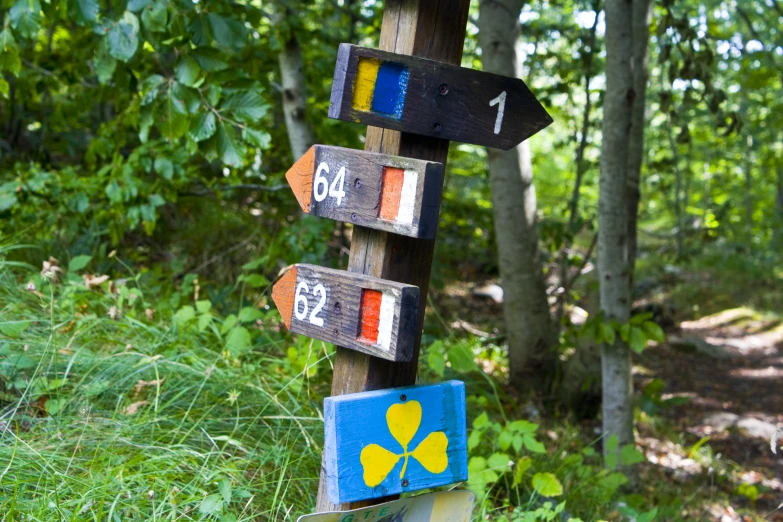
127	399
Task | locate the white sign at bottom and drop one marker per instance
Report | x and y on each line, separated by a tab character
444	506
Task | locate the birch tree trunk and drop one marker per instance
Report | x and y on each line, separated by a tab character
529	326
300	135
642	12
613	268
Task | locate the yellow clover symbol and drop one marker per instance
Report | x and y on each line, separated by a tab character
404	421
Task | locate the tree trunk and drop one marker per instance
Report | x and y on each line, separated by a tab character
300	135
525	307
613	269
642	12
778	234
678	204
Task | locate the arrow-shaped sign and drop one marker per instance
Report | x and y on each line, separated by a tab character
391	193
355	311
430	98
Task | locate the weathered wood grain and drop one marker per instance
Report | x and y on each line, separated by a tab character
441	506
390	193
356	311
433	29
392	441
434	99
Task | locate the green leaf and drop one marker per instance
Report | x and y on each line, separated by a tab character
203	306
25	17
477	465
474	439
204	320
211	504
629	455
654	331
224	486
7	200
547	485
183	100
638	340
14	328
245	105
88	9
238	341
258	138
649	516
137	5
154	18
610	452
124	37
9	53
164	167
255	280
249	314
522	466
517	442
499	461
185	314
227	32
203	127
187	71
54	406
533	445
231	150
505	439
209	60
461	358
481	421
104	63
607	333
79	262
228	323
436	362
523	426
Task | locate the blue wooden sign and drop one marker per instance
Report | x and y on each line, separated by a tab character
391	441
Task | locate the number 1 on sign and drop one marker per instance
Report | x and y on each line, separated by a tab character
501	99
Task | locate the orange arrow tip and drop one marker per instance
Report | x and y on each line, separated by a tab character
300	177
283	295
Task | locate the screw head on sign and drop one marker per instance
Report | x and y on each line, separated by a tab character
443	89
357	183
405	483
403	397
338	308
354	216
436	127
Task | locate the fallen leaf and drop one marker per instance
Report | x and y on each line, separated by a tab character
133	408
93	280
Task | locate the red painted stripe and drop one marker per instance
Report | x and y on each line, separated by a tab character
370	316
393	179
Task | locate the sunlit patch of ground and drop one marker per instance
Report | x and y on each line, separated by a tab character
729	365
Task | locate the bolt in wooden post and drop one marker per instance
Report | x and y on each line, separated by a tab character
433	29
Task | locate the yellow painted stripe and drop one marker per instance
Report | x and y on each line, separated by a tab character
364	85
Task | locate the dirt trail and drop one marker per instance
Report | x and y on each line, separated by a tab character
730	367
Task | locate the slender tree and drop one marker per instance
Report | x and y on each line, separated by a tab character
613	267
300	134
529	326
642	12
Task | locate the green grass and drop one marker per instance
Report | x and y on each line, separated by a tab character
205	435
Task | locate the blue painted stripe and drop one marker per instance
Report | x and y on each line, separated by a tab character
390	87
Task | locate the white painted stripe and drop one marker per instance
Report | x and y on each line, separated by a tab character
386	320
410	183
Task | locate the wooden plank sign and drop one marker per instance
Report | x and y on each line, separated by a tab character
355	311
390	193
434	99
386	442
443	506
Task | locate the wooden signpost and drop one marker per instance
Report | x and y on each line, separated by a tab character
434	99
356	311
386	442
443	506
391	193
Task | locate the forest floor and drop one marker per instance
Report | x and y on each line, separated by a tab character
728	365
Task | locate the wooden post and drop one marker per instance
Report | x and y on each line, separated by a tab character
433	29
